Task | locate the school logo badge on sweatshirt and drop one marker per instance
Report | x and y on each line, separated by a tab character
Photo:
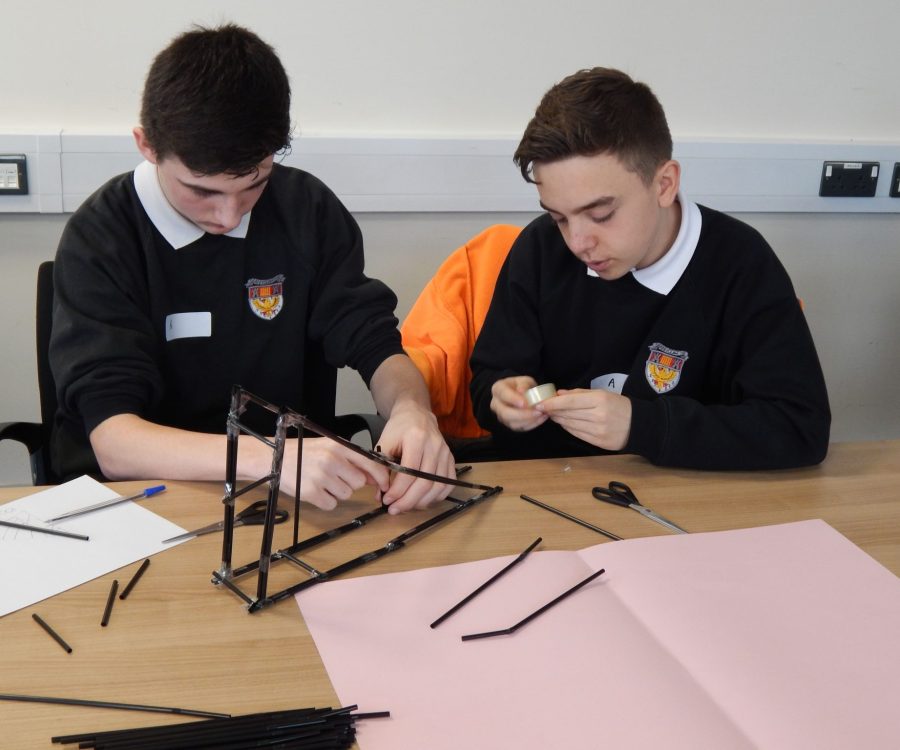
663	368
266	296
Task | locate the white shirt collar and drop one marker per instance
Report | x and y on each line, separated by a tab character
177	230
662	276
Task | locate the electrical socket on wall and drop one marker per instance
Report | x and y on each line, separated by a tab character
894	192
849	179
13	176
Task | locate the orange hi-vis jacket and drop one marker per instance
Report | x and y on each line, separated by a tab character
440	330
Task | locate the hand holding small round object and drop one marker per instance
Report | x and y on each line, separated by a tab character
539	393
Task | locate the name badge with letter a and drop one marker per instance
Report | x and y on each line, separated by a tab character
613	382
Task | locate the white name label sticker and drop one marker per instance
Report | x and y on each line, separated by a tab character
612	382
188	325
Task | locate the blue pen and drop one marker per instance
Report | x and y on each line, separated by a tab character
149	492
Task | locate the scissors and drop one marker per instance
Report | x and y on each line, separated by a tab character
253	515
619	493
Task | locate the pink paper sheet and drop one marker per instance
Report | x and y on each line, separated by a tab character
777	637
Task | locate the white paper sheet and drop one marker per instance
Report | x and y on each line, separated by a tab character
775	637
36	566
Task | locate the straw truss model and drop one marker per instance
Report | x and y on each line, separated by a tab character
286	420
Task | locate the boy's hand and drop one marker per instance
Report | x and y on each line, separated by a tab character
598	417
412	435
510	406
331	472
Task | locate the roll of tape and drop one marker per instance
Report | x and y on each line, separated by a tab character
535	395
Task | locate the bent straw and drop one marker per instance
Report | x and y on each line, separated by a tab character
514	628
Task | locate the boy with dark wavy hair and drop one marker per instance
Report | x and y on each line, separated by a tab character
670	330
210	265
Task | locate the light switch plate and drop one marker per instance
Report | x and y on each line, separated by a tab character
13	175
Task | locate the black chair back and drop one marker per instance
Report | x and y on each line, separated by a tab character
46	384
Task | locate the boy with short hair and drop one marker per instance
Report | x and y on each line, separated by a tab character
671	330
211	265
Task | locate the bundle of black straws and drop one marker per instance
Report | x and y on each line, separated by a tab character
302	728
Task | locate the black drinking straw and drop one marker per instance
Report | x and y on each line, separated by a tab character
109	602
514	628
135	578
571	518
52	633
108	704
487	583
43	530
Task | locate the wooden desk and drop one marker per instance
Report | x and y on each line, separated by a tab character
179	641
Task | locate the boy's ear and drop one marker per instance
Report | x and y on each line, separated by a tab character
668	181
143	145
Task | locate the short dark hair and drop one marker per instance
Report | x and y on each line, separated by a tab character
219	100
597	111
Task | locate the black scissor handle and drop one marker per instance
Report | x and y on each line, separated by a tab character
608	496
255	514
617	493
620	488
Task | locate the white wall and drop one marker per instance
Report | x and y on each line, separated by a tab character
794	69
805	71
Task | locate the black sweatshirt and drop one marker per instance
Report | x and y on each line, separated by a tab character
722	372
118	281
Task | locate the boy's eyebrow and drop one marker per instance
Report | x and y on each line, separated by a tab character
604	201
256	183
